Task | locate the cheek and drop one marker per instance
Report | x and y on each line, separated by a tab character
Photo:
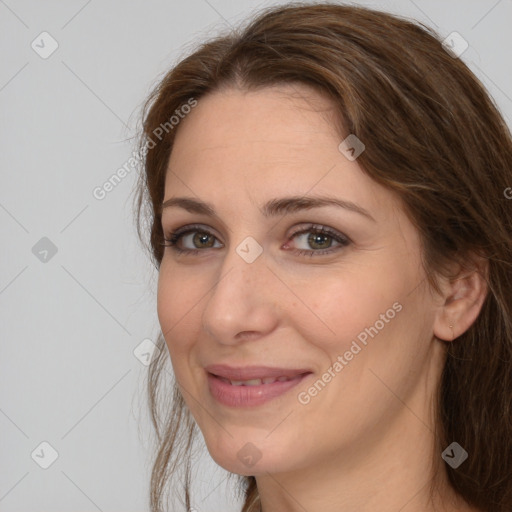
343	306
178	299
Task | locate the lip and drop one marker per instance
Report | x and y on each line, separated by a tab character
250	396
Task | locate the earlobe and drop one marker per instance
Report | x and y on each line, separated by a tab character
463	300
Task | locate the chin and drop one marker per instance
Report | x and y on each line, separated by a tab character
247	458
231	463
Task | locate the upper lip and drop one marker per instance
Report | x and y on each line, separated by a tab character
253	372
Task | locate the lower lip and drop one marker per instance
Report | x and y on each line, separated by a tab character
249	396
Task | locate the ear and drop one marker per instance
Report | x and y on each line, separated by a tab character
461	300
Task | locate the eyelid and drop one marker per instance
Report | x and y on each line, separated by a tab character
322	228
195	227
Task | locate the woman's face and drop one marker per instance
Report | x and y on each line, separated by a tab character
345	315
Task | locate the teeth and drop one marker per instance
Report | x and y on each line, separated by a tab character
258	382
252	382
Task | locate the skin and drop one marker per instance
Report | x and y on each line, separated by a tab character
365	442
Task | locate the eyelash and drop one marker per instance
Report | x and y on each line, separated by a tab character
173	238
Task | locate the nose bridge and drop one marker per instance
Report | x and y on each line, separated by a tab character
241	271
245	262
240	299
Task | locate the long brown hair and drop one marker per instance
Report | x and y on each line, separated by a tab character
432	135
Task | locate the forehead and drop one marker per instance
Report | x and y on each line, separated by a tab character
287	115
263	143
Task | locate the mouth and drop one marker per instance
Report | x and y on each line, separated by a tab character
255	382
251	386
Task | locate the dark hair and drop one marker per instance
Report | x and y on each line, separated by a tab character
432	135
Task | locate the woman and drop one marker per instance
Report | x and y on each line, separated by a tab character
327	208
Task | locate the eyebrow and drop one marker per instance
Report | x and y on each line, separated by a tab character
273	207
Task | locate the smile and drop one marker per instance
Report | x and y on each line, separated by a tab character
228	386
256	382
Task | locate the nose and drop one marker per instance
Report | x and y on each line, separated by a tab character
243	303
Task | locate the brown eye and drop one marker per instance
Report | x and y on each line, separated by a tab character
202	239
316	240
191	239
319	241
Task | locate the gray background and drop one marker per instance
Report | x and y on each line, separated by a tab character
70	321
